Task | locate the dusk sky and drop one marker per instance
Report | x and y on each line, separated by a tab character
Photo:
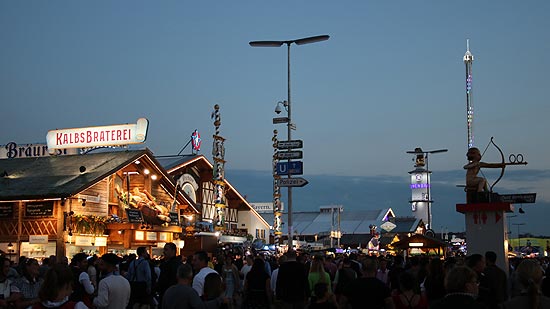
390	78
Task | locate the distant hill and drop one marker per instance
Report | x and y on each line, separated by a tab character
375	192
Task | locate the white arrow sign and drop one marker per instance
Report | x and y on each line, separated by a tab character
292	182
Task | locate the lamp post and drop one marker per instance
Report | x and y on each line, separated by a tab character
519	241
287	105
421	159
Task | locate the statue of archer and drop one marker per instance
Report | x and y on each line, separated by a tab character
479	184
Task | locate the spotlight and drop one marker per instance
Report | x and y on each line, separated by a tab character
82	169
83	202
521	211
63	201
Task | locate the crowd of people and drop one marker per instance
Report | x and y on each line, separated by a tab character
290	280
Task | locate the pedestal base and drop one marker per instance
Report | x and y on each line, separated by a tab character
486	229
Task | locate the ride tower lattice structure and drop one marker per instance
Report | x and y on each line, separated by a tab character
468	61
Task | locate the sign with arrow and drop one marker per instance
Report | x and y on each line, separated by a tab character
292	182
290	154
290	144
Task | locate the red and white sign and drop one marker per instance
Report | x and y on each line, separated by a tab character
115	135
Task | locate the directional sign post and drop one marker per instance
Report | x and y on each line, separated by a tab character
277	120
518	198
290	144
292	182
288	155
290	168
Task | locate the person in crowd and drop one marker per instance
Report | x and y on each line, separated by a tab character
213	295
292	284
434	284
529	275
323	299
182	295
92	269
139	276
496	281
408	298
257	286
317	274
6	299
395	272
114	290
55	291
231	280
382	272
545	285
275	274
462	289
21	265
82	286
63	260
200	265
25	289
368	288
330	266
168	269
343	277
44	267
246	267
477	263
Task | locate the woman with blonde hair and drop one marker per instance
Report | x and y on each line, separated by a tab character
317	274
529	274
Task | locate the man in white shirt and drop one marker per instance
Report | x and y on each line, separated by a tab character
200	264
114	289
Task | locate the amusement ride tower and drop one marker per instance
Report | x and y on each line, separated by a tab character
468	61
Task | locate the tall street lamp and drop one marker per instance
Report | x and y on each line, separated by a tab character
519	240
290	125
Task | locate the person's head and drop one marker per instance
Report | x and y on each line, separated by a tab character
461	279
213	286
382	263
258	266
53	260
476	262
249	260
80	260
5	264
185	274
31	268
108	262
291	255
57	284
169	250
370	266
142	252
473	154
63	260
490	257
529	272
228	259
406	281
317	266
200	260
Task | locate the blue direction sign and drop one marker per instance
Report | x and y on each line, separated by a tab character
292	168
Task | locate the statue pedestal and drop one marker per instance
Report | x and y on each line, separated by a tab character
486	229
